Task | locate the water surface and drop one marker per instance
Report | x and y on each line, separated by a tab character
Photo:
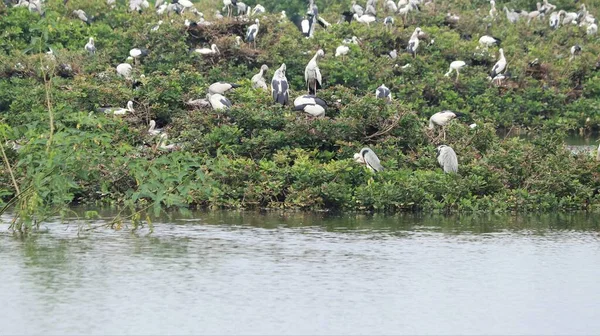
247	273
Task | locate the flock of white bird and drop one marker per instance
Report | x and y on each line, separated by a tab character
310	103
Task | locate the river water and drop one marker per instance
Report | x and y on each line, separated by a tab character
249	273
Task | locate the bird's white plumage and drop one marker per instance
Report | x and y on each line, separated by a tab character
312	73
441	118
213	50
447	159
341	51
258	80
500	65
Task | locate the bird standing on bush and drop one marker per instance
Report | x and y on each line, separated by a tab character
442	119
258	80
90	47
280	88
312	73
251	33
447	159
367	157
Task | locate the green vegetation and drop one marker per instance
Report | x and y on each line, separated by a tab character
261	155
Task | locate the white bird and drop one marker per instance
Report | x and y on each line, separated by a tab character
353	40
82	16
186	4
221	87
153	130
493	10
230	4
312	73
125	69
393	54
575	51
138	53
282	16
117	110
365	18
391	6
218	101
280	88
473	126
162	9
382	92
251	32
441	119
90	47
447	159
554	20
305	25
367	157
568	17
511	16
456	66
413	42
258	9
500	65
357	9
213	50
592	29
258	80
342	51
388	22
487	41
310	104
158	3
162	143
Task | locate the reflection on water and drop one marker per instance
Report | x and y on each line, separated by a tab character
249	273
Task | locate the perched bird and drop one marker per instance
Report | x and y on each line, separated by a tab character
221	87
258	80
258	9
117	110
90	47
487	41
310	104
353	40
493	10
230	4
82	16
592	29
312	73
442	119
251	32
554	20
125	69
200	103
455	66
138	53
186	4
342	51
357	9
568	17
218	101
413	42
500	65
511	15
447	159
280	87
575	51
153	130
388	21
367	157
390	6
162	143
213	50
305	26
157	26
365	18
393	54
383	92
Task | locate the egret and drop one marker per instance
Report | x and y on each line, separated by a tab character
456	66
280	86
213	50
258	80
218	15
251	33
153	130
310	104
90	47
117	110
383	92
447	159
218	101
312	74
367	157
342	51
441	119
500	65
221	87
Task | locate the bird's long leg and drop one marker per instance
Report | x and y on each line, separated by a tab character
457	74
444	132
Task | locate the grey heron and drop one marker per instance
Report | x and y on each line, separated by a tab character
500	65
280	88
383	92
310	104
258	80
367	157
221	87
447	159
455	66
312	73
218	101
90	47
251	32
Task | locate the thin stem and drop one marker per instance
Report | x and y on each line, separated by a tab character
12	176
49	105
